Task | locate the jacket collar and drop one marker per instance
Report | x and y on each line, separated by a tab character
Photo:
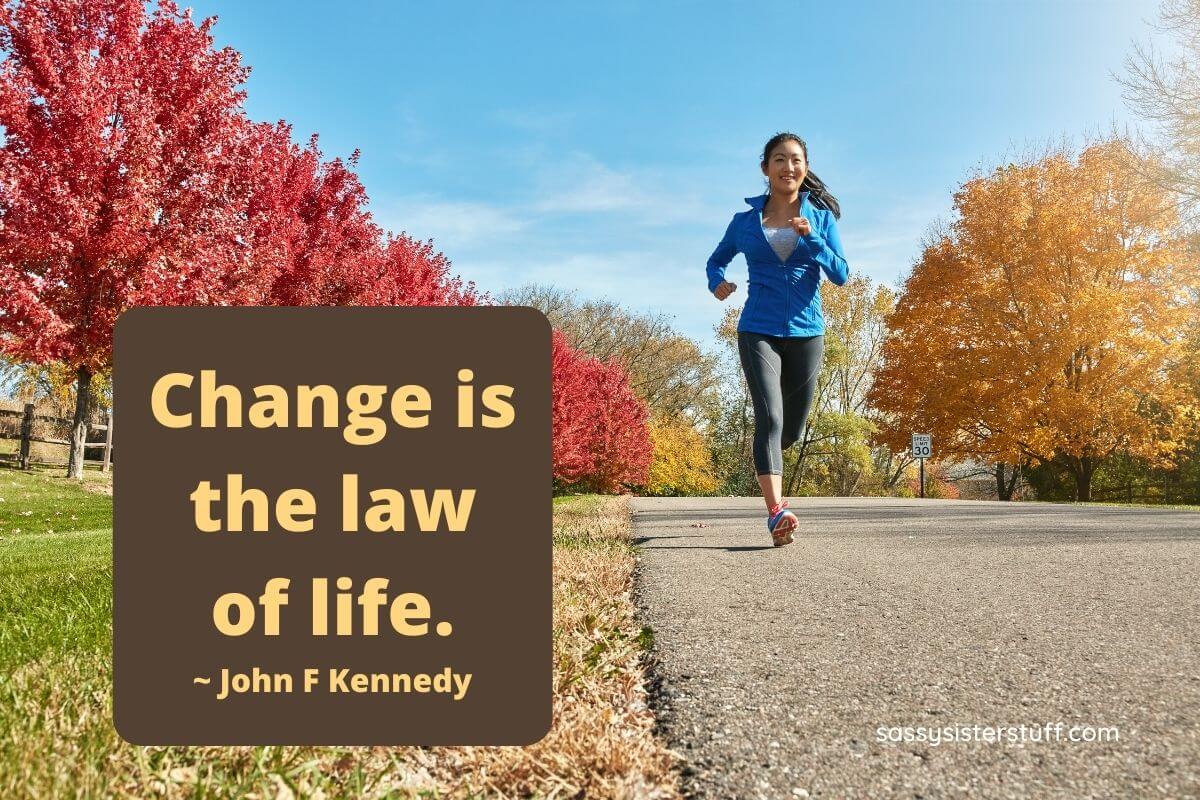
759	201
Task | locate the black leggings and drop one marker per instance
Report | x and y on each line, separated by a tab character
781	372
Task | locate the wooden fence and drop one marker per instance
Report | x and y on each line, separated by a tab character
26	437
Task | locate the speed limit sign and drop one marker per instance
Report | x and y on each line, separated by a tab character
922	445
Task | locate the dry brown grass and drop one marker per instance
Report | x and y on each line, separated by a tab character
60	741
601	743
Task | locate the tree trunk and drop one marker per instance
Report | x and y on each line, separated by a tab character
1082	469
789	488
1016	478
895	476
1006	488
83	403
795	476
1083	479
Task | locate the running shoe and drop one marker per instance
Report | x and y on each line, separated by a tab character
781	522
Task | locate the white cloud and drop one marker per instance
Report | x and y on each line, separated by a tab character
449	224
580	183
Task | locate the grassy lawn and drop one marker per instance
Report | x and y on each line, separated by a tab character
1115	504
56	733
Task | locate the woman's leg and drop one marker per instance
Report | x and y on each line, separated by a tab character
801	366
772	489
762	364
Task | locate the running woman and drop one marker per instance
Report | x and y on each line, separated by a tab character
789	237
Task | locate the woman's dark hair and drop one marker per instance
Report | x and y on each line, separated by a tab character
819	192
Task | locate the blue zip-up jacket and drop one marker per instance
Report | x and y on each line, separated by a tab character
783	299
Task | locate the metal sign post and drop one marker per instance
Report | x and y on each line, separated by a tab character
922	448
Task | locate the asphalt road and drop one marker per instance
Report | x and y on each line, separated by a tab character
791	672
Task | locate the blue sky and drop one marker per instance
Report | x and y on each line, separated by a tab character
603	147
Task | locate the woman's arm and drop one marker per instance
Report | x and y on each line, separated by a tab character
827	250
721	257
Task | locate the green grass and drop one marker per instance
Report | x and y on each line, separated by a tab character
578	503
56	732
55	628
55	567
1121	504
42	500
577	507
55	594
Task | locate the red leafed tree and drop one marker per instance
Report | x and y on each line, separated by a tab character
412	273
568	411
620	437
311	241
601	439
308	230
130	175
120	179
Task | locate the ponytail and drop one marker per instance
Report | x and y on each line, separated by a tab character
819	194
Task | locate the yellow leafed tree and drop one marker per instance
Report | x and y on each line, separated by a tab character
682	464
1048	321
